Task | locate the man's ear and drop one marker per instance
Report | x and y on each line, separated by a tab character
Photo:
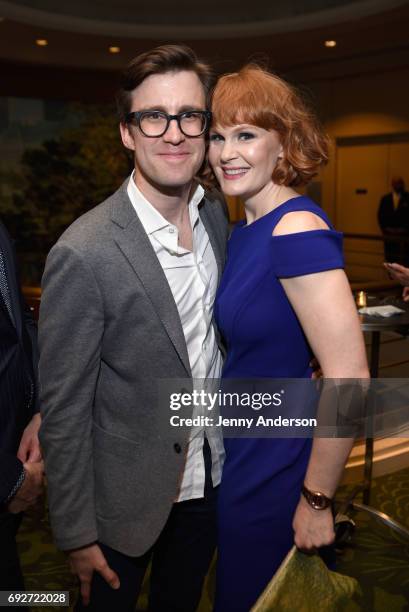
126	136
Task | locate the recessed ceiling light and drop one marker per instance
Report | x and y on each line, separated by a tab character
41	42
330	43
114	49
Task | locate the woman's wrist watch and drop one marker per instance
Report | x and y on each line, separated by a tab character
316	499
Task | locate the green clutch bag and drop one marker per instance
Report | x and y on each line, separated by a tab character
304	583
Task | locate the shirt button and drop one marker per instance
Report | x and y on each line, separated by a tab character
177	448
171	230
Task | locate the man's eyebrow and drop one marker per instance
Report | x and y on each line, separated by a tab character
191	107
182	109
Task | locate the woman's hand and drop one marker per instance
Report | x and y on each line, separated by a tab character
398	272
312	528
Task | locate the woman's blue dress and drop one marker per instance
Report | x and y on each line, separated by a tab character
262	478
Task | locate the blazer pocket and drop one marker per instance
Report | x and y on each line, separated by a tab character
107	442
116	474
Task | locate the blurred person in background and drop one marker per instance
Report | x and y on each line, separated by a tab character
393	219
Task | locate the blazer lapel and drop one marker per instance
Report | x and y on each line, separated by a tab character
135	245
209	223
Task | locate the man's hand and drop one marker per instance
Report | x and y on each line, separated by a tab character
405	294
84	562
312	528
30	490
29	449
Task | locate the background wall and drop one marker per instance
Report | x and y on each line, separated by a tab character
360	89
367	117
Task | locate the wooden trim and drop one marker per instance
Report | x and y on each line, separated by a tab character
369	139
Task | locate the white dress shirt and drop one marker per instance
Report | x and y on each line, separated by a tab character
192	278
396	200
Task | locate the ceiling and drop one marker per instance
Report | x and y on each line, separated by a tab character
291	33
210	20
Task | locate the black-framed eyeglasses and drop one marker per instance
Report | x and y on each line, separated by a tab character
154	123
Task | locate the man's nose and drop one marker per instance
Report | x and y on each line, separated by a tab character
173	134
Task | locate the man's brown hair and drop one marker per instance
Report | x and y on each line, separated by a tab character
166	58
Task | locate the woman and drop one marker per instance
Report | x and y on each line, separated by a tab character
284	297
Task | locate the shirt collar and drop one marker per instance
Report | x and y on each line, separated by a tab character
151	218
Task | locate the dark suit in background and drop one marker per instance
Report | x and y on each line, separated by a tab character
18	400
394	222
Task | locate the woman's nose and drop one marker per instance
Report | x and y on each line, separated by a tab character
228	151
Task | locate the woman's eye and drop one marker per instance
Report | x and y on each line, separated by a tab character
215	138
246	136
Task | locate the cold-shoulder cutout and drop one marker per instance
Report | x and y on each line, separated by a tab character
313	245
298	221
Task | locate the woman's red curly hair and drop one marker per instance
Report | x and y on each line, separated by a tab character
257	97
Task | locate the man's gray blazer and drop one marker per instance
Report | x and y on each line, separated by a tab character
109	329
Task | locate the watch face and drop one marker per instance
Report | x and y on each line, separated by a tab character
319	501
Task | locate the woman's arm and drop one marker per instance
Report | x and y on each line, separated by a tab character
324	305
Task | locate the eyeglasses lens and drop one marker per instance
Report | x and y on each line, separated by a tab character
155	124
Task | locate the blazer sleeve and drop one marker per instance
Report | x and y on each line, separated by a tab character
24	312
10	473
31	327
70	334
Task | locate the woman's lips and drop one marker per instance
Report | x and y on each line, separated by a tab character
233	174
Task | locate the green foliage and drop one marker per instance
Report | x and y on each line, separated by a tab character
67	176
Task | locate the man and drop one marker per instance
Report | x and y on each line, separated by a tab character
393	219
127	300
21	468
